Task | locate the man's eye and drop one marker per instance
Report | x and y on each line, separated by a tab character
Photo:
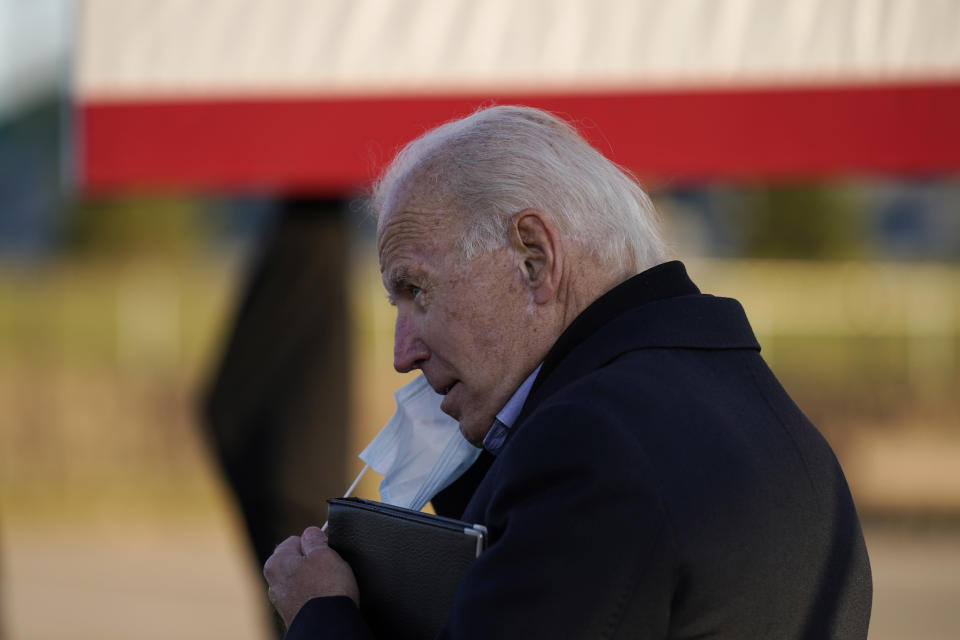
414	290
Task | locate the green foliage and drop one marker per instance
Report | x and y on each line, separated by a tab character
140	226
801	221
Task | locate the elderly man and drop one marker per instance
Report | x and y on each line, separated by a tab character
645	475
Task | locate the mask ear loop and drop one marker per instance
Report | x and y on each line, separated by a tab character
349	491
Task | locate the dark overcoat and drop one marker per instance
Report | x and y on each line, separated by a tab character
659	483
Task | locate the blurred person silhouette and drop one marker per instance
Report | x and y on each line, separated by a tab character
643	473
276	411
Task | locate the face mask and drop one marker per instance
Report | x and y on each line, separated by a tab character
420	451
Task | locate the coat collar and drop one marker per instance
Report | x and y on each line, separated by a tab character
656	309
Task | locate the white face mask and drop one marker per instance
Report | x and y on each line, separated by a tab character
420	451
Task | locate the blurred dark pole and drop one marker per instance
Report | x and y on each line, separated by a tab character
277	409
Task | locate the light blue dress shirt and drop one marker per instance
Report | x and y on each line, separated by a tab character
497	437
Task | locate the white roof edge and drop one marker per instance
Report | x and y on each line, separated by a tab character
176	48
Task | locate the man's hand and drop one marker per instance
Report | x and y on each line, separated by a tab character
304	567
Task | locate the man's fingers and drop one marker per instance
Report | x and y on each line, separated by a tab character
290	545
312	539
304	567
284	558
275	593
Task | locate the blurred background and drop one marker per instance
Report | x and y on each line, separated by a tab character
194	343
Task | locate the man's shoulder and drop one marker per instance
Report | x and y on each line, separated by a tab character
592	421
620	388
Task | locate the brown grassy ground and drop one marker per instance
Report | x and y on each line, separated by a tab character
113	523
144	575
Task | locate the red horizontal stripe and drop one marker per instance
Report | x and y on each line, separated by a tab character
337	145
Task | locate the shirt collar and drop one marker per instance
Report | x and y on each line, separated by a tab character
496	438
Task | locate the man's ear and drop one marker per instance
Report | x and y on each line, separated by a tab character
535	241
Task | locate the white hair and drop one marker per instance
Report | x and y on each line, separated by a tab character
504	159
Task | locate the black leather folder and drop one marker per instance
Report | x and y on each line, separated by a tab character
407	563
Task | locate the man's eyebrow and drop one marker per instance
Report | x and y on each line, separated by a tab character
398	277
396	280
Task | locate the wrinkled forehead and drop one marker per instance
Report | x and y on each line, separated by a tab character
414	208
412	233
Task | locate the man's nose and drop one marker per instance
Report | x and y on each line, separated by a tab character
409	351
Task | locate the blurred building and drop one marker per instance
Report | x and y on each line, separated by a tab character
316	96
722	108
310	100
804	154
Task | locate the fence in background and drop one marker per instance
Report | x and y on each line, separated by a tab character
101	366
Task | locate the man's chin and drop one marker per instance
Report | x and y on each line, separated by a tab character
473	433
